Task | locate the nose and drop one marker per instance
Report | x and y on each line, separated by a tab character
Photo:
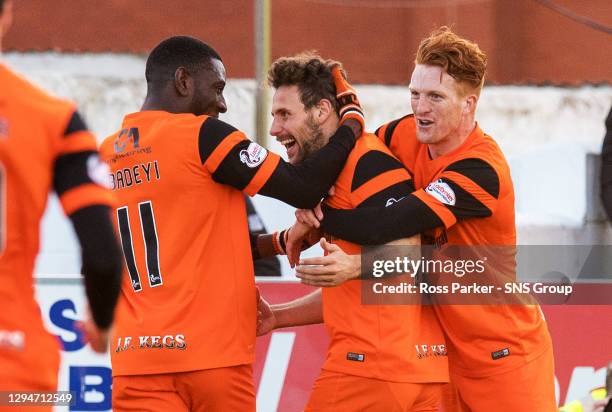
420	106
275	127
221	105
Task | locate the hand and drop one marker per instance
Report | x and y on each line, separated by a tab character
97	338
331	270
351	112
310	217
266	321
300	237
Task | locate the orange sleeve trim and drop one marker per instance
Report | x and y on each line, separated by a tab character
77	142
222	150
263	174
378	184
472	188
88	194
447	217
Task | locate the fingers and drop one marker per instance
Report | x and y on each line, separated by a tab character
293	253
314	261
317	210
319	281
329	247
320	271
307	217
340	81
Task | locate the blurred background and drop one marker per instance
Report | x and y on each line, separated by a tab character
547	94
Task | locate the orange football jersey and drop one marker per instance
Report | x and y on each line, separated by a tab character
471	192
378	341
188	298
35	131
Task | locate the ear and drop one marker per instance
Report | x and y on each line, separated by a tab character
469	103
323	110
183	82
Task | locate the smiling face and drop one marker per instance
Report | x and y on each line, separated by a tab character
208	84
439	106
294	126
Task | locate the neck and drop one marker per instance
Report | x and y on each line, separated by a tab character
329	128
456	139
161	101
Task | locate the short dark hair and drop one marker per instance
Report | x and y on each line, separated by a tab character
1	6
175	52
310	73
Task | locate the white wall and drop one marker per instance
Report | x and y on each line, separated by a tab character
545	132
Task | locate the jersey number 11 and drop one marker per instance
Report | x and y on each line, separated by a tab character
149	233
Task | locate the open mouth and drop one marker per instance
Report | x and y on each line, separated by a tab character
290	146
288	142
424	122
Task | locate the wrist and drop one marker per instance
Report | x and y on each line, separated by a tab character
279	242
356	266
279	312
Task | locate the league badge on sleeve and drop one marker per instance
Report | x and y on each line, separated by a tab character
254	155
442	191
98	171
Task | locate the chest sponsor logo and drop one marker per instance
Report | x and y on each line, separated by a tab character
427	351
441	191
254	155
150	342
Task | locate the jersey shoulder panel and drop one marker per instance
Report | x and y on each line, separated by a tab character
30	100
371	158
387	132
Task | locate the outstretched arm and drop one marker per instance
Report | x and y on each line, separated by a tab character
466	189
306	310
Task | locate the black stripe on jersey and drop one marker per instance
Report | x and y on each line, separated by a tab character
389	195
391	128
481	172
377	132
380	225
372	164
70	170
232	171
76	124
212	133
466	205
101	257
